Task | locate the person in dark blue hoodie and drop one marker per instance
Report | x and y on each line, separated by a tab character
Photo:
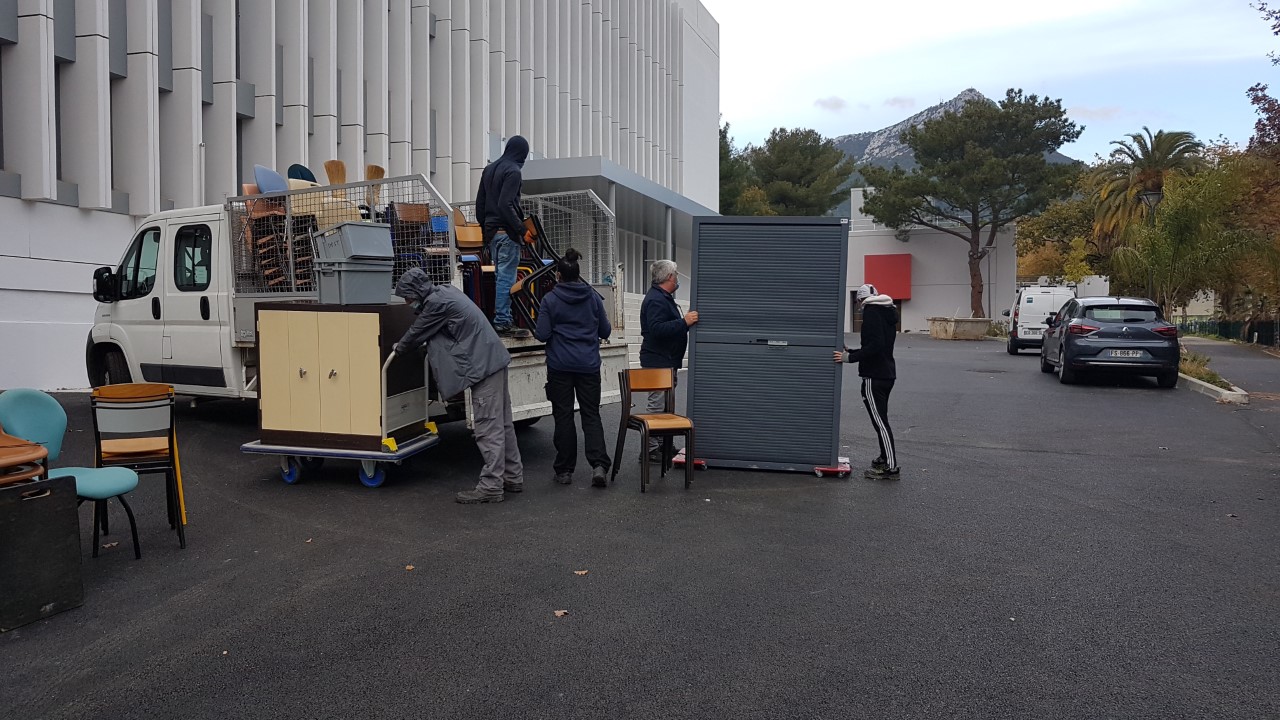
572	321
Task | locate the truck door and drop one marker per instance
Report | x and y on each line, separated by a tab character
191	347
137	322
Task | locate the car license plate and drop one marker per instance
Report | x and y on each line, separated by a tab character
1028	332
1126	353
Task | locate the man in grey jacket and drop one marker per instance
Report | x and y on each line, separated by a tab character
465	352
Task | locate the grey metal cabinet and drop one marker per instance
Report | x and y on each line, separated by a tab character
770	292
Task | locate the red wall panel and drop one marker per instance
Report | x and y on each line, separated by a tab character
891	274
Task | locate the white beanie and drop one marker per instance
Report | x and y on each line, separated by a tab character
866	291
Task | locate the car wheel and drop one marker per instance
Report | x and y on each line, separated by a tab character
116	369
1045	365
1012	347
1066	375
1167	380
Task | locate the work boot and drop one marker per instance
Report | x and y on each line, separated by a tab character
598	477
512	487
564	478
882	473
510	331
475	497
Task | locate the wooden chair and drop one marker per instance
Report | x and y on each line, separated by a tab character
665	425
134	427
468	236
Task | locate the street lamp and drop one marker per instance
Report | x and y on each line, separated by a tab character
1151	198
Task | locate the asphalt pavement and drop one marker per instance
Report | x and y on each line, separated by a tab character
1104	550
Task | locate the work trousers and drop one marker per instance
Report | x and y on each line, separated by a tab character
562	388
505	253
495	433
875	395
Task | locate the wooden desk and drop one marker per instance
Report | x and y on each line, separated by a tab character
21	460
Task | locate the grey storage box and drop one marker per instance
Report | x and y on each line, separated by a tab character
361	282
354	241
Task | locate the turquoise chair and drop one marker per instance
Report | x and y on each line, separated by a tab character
36	417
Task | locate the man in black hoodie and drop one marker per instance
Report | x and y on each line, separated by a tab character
878	372
498	212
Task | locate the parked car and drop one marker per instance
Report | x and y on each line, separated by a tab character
1028	318
1113	335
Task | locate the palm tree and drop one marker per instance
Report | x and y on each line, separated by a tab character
1139	165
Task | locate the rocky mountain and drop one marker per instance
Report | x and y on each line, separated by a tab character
883	148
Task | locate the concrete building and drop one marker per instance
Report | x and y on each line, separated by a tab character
926	271
111	110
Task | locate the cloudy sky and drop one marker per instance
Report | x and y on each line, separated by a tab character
845	66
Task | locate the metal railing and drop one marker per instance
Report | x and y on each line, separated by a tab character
1264	331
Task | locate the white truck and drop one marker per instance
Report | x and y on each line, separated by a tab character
179	308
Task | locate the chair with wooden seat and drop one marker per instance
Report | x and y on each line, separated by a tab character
35	416
665	425
134	427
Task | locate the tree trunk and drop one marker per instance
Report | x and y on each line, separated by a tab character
975	284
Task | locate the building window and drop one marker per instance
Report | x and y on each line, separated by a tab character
138	270
193	258
58	72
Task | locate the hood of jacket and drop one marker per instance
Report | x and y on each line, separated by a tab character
574	292
414	285
517	150
873	300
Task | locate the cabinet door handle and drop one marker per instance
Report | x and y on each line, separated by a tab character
333	374
302	372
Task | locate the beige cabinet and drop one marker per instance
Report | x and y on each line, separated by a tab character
321	374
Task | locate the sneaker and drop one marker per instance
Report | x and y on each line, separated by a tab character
564	478
882	474
510	331
475	497
598	477
513	487
879	464
655	456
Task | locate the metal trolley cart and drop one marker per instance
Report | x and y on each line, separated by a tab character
408	409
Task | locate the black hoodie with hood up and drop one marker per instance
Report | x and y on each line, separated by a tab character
498	198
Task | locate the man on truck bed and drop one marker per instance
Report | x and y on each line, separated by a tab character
464	352
498	212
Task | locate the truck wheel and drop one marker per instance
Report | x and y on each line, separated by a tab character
527	422
1012	347
115	369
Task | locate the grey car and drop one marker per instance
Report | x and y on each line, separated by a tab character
1111	335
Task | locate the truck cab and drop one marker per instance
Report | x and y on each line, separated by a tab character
163	311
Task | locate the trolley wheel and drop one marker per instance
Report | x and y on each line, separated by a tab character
370	474
312	464
290	471
843	474
818	472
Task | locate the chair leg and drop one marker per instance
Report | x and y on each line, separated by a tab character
667	453
99	507
644	459
133	527
105	529
689	459
617	452
170	497
177	511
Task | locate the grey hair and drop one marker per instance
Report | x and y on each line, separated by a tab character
662	271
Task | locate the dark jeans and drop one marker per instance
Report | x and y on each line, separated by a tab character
875	395
562	387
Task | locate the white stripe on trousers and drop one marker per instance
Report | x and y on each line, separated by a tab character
869	397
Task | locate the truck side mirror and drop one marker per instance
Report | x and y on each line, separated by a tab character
105	288
1006	312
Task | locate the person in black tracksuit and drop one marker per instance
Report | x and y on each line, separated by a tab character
878	372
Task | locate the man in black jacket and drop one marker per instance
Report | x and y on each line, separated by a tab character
878	372
498	212
664	330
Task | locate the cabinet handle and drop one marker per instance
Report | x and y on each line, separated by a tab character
333	374
302	373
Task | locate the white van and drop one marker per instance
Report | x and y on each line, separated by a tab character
1030	312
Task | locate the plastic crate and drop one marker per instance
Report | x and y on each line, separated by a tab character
354	241
355	283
